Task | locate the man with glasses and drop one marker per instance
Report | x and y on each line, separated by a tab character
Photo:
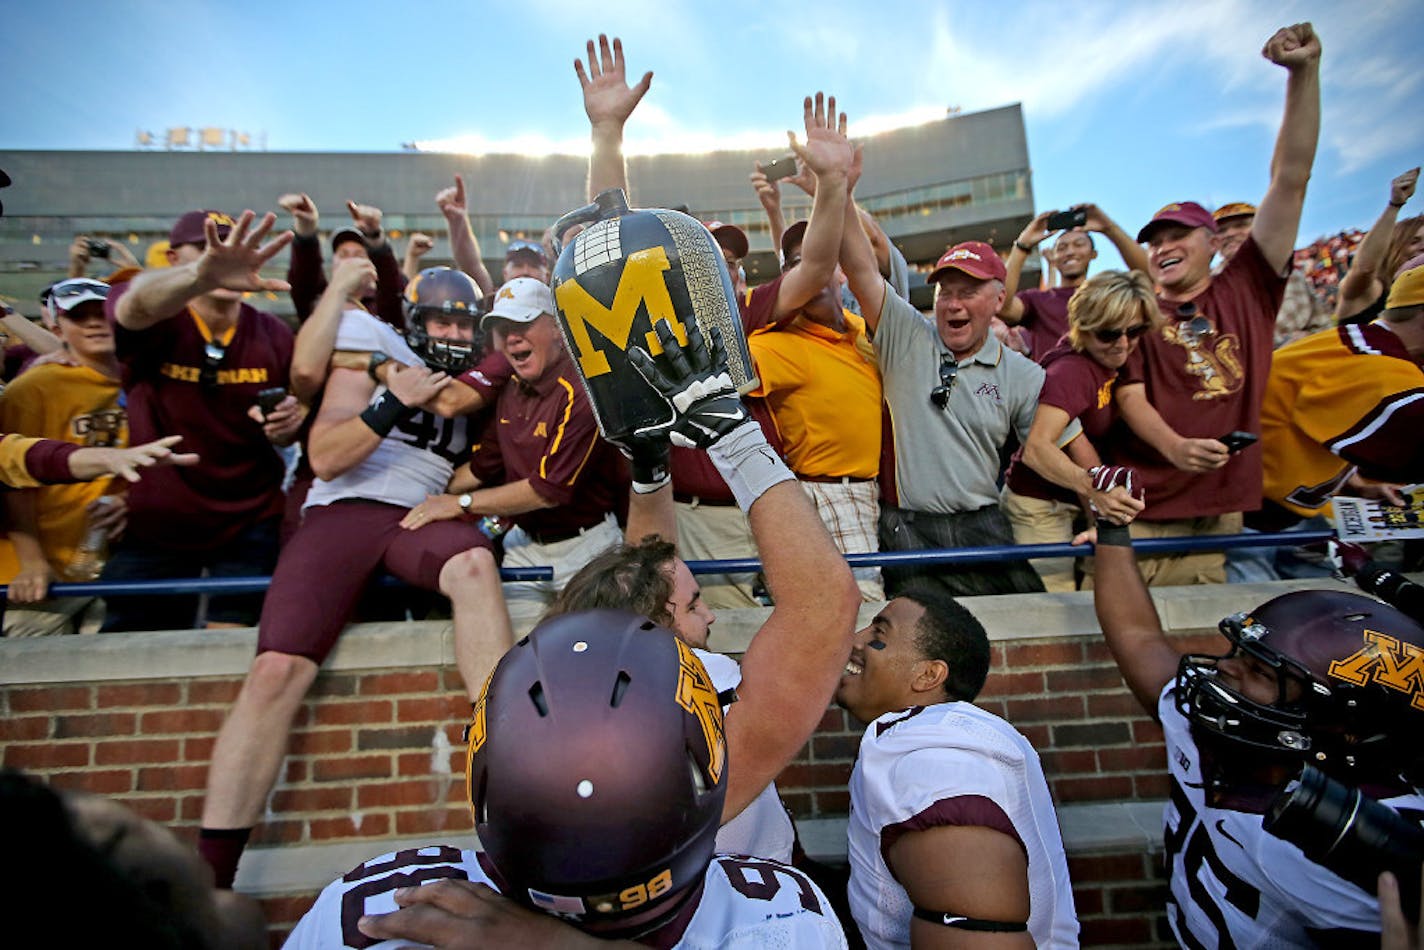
1203	375
194	357
954	394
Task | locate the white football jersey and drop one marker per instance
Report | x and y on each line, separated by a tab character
747	903
417	457
763	828
1233	884
931	766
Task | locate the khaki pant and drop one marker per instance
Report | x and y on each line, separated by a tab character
1039	521
58	615
1175	570
717	533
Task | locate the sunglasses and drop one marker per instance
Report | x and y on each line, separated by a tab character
519	244
948	372
1192	326
1112	336
213	355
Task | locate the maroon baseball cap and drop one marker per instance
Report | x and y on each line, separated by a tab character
189	228
974	258
792	237
729	236
1186	213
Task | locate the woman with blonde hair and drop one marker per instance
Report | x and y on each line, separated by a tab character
1051	478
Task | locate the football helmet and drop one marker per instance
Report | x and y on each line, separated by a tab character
451	293
1349	675
597	771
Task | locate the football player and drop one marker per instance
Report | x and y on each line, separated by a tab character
952	836
597	773
1322	677
376	456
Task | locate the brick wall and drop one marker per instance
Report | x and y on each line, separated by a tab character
377	750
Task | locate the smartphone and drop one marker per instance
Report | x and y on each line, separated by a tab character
269	399
779	169
1236	441
1067	220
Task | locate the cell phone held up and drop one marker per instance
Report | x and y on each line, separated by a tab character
1236	441
270	399
779	169
1067	220
97	247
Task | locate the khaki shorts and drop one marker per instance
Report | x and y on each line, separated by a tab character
1040	521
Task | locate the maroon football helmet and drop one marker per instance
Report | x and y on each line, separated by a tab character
449	293
597	771
1350	685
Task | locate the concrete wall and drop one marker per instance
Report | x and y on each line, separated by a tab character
377	762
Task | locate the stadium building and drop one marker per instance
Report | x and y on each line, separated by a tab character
959	178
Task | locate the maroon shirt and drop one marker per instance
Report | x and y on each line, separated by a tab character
238	481
693	474
1081	387
308	280
1045	318
1207	387
547	434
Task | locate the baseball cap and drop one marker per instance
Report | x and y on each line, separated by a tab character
521	247
68	294
792	237
1187	213
343	235
729	236
189	228
1234	209
974	258
522	300
1407	289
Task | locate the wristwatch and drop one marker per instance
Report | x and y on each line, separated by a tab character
465	501
377	358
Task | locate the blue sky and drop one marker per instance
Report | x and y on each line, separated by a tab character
1128	105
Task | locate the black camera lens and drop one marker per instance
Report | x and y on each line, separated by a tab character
1349	833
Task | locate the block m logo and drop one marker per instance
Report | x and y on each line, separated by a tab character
1387	661
640	284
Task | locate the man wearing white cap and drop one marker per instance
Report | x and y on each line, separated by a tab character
540	463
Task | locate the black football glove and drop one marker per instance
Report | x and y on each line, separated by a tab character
696	381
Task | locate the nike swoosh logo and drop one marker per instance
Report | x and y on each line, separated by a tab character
1221	827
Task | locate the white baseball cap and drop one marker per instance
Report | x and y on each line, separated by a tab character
522	300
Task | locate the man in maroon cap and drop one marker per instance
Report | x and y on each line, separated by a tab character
194	357
735	247
954	393
1203	375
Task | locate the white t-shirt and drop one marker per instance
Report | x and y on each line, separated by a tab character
417	457
746	903
935	765
1228	872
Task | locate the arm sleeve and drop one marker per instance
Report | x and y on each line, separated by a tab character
390	286
487	462
305	275
489	375
26	462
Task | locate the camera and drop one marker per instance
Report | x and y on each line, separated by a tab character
1067	220
1349	833
98	247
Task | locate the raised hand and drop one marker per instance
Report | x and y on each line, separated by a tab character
1036	230
419	245
1293	46
451	200
234	263
827	150
768	192
367	217
303	212
354	277
695	380
1402	188
607	97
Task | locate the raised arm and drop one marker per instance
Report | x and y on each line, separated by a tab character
464	246
608	101
1364	283
1297	48
828	155
1129	620
1029	238
416	247
807	639
1133	256
28	332
353	278
857	257
769	194
304	272
230	264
